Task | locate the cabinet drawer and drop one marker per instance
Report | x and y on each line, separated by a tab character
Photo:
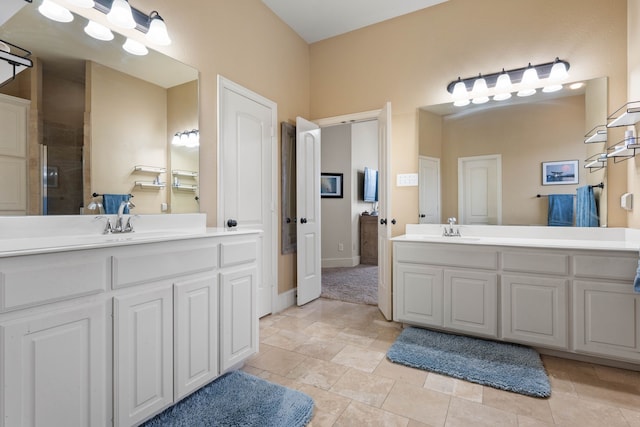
536	262
240	252
39	279
605	267
139	264
446	255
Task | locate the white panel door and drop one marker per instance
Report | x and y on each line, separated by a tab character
429	193
238	324
55	367
309	257
195	304
143	355
480	190
385	220
13	151
247	186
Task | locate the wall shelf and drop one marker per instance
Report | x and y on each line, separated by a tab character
622	151
596	162
192	174
149	169
150	184
597	134
627	115
186	187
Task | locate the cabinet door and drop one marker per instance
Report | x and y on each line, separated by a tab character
143	355
238	316
54	369
607	319
534	310
196	333
471	302
418	294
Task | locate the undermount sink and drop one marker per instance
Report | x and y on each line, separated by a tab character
451	239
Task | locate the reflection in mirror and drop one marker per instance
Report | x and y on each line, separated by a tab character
521	134
288	176
96	113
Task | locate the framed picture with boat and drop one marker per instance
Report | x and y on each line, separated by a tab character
560	172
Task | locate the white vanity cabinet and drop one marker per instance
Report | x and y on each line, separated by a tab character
112	336
445	286
573	300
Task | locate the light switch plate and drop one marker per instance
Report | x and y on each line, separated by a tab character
407	180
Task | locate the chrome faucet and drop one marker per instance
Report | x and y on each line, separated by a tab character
120	226
450	232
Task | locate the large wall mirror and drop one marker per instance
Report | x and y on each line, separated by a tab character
102	120
524	133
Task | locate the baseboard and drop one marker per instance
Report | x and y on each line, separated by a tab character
285	300
340	262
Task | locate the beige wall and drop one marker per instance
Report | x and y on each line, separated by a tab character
633	94
410	60
121	140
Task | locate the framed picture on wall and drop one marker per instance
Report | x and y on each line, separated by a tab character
331	185
562	172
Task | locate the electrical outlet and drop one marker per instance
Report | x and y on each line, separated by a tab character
340	247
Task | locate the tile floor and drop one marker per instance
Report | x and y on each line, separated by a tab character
335	352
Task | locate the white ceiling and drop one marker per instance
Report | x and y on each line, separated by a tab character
316	20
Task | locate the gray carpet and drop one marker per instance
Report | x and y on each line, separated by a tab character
357	284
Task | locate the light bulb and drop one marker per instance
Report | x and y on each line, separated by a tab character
503	87
55	12
87	4
176	139
460	94
121	14
158	30
479	91
98	31
529	82
135	47
557	74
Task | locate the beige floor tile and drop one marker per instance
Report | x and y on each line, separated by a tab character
440	383
326	401
358	414
320	348
524	421
561	383
616	375
569	411
278	361
414	423
322	330
286	339
356	337
293	323
316	372
359	358
417	403
398	372
468	391
363	387
463	413
381	345
518	404
609	393
322	419
632	417
267	331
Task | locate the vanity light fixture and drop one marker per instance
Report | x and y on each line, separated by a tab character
121	15
98	31
135	47
480	91
55	12
524	81
187	138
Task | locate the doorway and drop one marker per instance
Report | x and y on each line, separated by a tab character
480	190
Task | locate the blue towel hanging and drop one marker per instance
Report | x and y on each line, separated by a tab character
111	203
636	281
560	213
586	210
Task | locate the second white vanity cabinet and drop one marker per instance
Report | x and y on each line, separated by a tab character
115	343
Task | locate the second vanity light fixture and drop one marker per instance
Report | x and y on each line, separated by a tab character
187	138
524	81
120	14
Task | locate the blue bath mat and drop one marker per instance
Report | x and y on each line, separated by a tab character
238	399
504	366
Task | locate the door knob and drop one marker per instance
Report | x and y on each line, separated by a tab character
393	221
288	220
422	216
232	223
303	220
383	221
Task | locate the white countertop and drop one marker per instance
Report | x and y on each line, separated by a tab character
614	239
40	235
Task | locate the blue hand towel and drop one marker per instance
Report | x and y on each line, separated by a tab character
586	210
111	203
636	281
560	212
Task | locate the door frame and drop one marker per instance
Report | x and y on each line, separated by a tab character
461	187
421	195
224	83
